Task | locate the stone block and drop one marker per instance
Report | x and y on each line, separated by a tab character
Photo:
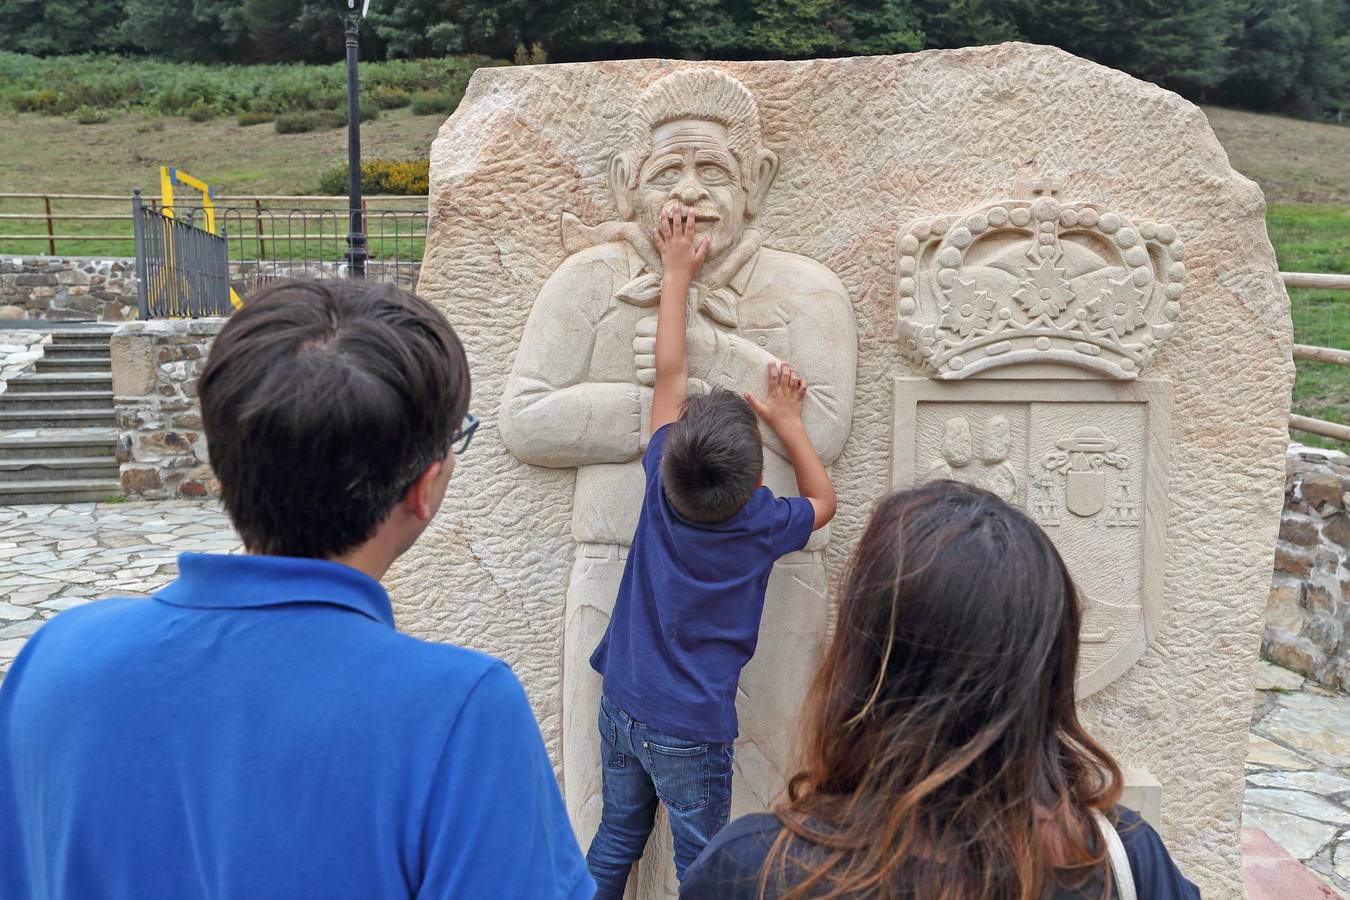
72	277
32	279
1337	529
164	443
1323	491
1324	632
1317	597
1300	532
133	364
1298	654
138	481
1297	564
11	312
1283	609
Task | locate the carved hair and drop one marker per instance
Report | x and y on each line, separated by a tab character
707	94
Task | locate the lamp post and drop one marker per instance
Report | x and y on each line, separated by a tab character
352	12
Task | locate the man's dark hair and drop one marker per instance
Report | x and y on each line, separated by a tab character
713	458
322	402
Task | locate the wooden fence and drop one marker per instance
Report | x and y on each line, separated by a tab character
1339	356
84	210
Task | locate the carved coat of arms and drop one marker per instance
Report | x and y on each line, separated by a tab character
1034	320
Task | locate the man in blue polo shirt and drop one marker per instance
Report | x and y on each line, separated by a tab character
259	728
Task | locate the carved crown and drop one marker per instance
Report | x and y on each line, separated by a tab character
1036	280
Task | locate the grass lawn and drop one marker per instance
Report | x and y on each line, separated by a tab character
1316	238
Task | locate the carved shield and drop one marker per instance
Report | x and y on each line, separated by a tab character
1113	433
1085	492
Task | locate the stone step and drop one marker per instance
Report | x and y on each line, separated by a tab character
79	334
74	490
59	469
56	382
73	364
60	350
58	400
57	446
57	418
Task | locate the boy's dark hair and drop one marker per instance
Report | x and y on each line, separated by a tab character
713	458
322	402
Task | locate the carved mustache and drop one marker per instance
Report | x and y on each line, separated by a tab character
701	213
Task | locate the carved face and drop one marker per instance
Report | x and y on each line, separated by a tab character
691	164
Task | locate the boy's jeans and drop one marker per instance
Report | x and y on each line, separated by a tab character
640	767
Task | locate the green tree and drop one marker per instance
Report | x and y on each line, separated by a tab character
59	27
1182	44
186	30
1291	56
964	23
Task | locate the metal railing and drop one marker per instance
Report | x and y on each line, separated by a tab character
205	263
181	270
62	218
1339	356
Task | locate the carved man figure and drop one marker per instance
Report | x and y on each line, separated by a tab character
579	394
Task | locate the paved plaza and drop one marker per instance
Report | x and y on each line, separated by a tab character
56	557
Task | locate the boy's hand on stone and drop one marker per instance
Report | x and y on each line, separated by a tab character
681	252
783	405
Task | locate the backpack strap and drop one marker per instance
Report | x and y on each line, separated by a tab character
1120	862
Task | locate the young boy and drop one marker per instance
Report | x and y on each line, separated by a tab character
687	614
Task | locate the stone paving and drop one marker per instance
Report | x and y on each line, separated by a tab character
1298	772
56	557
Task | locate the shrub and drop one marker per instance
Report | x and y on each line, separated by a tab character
88	115
382	176
43	101
255	117
58	85
431	103
150	125
295	123
200	112
386	97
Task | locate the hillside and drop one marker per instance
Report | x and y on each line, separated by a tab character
1294	161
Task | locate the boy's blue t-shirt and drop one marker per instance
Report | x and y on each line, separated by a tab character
686	619
259	729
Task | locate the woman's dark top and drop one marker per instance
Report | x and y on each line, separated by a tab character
729	867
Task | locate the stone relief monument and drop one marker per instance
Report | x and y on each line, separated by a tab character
976	257
579	395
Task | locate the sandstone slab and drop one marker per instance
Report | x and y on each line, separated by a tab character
923	192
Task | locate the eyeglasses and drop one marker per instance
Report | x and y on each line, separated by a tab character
459	441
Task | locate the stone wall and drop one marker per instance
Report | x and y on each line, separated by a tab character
67	288
88	289
1308	616
160	444
19	350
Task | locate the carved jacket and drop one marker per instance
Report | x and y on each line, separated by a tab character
573	400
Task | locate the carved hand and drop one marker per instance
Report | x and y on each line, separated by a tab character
700	345
644	351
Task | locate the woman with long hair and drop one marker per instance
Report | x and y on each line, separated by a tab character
943	754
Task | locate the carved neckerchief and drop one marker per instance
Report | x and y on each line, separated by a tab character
712	292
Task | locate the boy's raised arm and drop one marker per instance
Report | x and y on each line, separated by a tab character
681	257
782	411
